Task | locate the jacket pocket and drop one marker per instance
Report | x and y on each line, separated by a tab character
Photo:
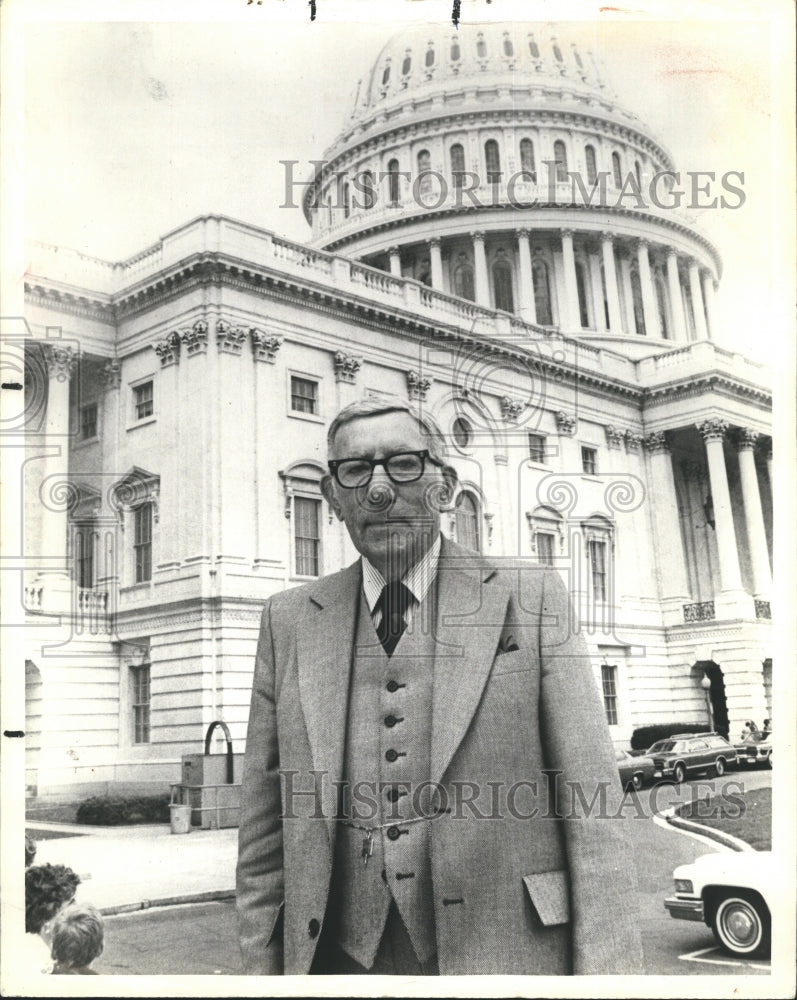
549	893
512	663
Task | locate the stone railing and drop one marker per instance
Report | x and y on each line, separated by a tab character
763	609
33	597
92	611
700	612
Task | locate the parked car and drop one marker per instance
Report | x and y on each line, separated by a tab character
691	753
756	750
634	771
733	894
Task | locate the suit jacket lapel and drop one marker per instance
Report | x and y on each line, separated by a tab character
470	617
324	648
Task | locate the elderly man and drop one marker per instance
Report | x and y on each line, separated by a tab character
429	781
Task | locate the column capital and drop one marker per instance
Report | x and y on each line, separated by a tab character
434	241
744	438
614	436
657	443
632	441
565	423
511	408
112	374
672	252
418	385
265	345
713	429
394	251
566	233
168	349
607	237
346	366
641	243
195	338
477	235
523	233
229	339
61	361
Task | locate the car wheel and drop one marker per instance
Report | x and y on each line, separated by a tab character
679	773
719	767
637	781
742	923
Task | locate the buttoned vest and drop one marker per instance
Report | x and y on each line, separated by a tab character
387	762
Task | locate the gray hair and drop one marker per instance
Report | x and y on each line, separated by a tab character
372	407
77	936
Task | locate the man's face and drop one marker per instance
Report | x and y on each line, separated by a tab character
391	524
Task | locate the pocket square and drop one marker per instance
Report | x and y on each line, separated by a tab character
507	644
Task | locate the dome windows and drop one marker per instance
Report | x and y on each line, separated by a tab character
617	173
424	172
457	157
481	48
429	57
542	292
456	52
502	283
534	49
406	66
592	169
393	182
509	48
579	63
492	159
527	166
386	75
560	158
557	53
368	190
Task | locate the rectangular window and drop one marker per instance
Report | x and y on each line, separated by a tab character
139	687
88	421
589	461
609	684
143	401
544	543
306	534
142	542
537	447
597	558
304	395
85	557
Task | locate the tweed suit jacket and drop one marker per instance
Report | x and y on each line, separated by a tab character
531	874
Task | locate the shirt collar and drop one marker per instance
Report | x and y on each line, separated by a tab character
417	579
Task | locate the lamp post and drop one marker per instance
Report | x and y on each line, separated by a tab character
705	684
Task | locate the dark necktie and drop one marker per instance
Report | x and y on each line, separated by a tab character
393	603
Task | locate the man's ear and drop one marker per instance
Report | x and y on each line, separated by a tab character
451	481
331	496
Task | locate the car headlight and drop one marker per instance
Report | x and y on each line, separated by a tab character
683	885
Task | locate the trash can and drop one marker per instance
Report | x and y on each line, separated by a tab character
180	812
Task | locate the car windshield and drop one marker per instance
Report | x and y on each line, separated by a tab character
664	746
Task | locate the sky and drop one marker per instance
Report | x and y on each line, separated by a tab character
133	127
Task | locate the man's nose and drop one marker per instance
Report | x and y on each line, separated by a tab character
381	492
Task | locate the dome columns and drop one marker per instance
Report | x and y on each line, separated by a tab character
610	275
648	291
480	263
395	261
571	318
676	298
436	262
698	310
528	311
709	288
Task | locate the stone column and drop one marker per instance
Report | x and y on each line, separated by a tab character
648	291
480	262
709	288
753	514
528	310
731	593
676	298
673	585
701	333
395	261
610	276
436	261
61	362
571	319
597	290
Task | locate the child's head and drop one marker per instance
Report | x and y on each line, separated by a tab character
77	936
47	889
30	851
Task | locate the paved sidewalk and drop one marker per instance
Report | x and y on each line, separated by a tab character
133	867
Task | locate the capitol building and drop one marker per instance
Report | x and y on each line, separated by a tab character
491	235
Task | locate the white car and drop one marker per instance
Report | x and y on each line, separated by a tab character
733	894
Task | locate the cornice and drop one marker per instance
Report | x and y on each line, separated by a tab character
697	385
51	296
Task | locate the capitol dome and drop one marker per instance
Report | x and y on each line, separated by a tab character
495	163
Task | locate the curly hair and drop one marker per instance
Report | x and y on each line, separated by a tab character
77	936
47	888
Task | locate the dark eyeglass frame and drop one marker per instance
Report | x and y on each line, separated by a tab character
334	465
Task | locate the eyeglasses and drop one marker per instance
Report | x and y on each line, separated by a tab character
404	467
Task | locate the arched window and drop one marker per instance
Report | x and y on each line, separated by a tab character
661	301
492	159
386	75
592	168
463	279
638	171
639	309
581	287
368	189
534	49
509	48
455	51
502	284
617	173
457	157
542	293
346	201
557	53
579	63
481	47
424	171
467	522
527	165
560	158
393	182
406	66
429	57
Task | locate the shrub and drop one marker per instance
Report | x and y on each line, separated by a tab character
117	810
646	736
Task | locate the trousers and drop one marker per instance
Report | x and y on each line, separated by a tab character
394	957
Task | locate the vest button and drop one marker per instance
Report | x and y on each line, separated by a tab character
390	721
393	795
392	686
313	928
393	833
391	755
